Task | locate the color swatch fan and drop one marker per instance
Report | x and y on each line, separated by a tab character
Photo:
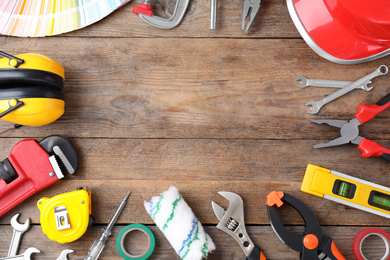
38	18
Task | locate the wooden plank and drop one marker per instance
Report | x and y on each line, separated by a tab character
226	247
106	196
197	88
213	160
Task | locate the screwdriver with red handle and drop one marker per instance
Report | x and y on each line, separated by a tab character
349	130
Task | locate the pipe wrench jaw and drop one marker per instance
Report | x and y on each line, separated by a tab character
63	152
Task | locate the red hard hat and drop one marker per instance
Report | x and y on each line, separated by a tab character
344	31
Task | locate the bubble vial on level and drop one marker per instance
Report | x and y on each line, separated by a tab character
343	189
381	201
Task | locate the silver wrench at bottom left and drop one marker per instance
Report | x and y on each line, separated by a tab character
25	256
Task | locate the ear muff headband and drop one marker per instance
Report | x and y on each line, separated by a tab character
35	61
30	78
20	91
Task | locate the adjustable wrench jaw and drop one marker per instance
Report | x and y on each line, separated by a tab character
34	166
232	222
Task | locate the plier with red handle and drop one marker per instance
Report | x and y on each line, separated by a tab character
349	130
311	244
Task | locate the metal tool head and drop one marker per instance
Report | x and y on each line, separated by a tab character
232	222
303	80
64	254
250	8
63	155
18	226
29	251
235	210
167	23
365	86
315	107
349	131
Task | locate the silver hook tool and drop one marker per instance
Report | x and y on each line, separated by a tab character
252	6
145	11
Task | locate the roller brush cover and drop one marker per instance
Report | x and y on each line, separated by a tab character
179	225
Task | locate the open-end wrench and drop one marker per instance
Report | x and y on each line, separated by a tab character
18	230
25	256
316	105
64	254
325	83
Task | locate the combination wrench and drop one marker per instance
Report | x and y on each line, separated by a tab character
64	254
18	230
316	105
25	256
325	83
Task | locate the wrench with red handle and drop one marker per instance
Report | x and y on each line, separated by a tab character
349	130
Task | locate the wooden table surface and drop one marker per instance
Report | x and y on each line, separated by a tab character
205	111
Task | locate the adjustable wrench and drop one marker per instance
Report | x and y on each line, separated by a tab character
232	222
325	83
316	105
25	256
18	230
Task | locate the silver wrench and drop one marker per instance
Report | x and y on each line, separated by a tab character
316	105
18	230
25	256
64	254
325	83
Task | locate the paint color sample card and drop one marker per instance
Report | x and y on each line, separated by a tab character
38	18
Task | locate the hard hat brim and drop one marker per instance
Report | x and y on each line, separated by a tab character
328	38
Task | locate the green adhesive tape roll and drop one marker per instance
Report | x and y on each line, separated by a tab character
135	227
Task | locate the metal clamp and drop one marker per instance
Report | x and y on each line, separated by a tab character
145	11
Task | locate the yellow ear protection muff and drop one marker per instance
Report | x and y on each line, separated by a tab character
31	89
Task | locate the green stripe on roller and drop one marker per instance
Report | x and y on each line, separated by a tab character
158	206
174	205
205	247
195	238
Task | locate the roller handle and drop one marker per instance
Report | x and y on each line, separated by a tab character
367	112
372	149
256	254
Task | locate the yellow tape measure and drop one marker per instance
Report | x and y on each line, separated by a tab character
66	217
347	190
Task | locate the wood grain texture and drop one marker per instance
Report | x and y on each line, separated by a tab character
126	89
205	111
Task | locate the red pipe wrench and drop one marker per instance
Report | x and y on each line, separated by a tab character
33	166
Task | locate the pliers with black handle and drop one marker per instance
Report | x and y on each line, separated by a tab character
349	130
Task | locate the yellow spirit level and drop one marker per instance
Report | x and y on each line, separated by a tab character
347	190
